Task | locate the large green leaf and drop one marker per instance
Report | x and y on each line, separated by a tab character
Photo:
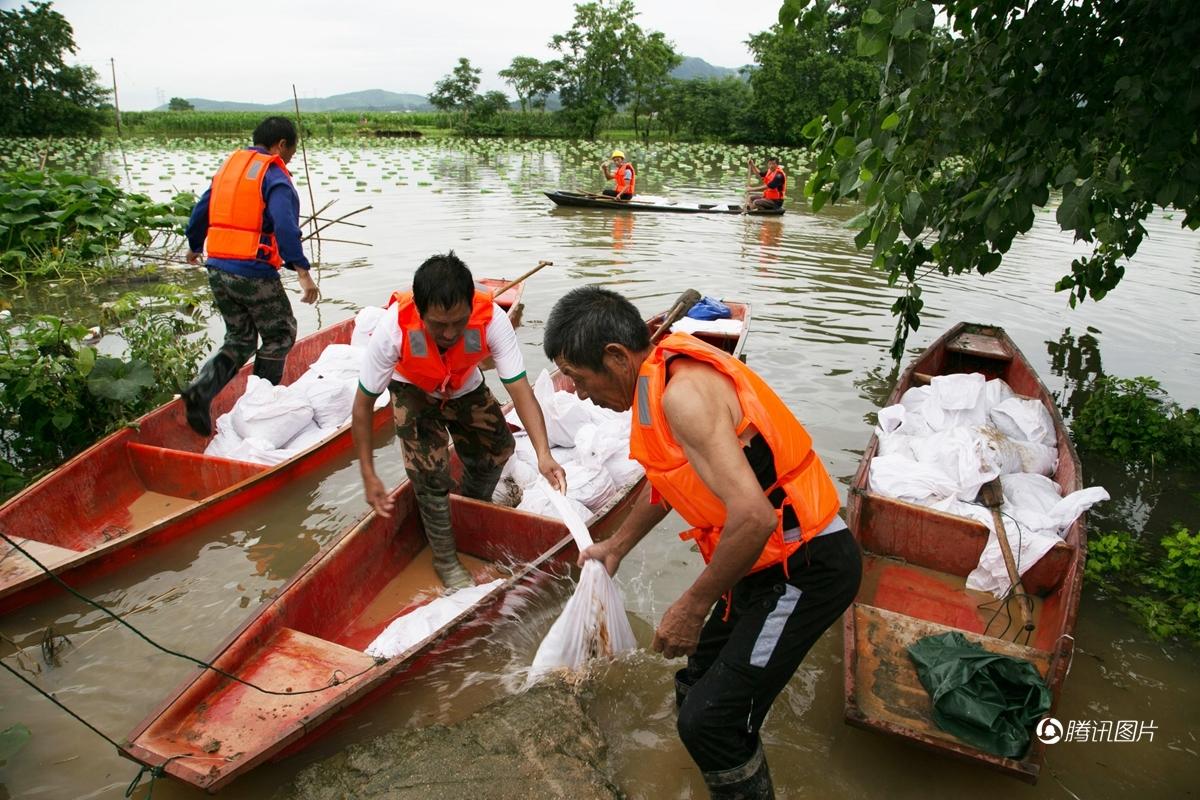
123	381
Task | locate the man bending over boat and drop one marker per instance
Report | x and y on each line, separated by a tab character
427	352
249	220
773	187
624	175
722	449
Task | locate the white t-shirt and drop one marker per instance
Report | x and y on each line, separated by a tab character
384	348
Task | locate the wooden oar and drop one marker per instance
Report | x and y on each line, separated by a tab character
991	494
682	305
511	284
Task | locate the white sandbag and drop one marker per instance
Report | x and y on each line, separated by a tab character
590	485
417	625
960	453
1028	546
890	418
339	361
273	414
593	623
364	325
1009	457
1024	420
895	444
517	478
623	469
332	400
565	413
258	451
226	440
995	392
313	434
538	503
904	479
725	327
955	400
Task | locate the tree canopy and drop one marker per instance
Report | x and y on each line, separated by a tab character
180	104
1095	102
40	94
531	80
593	73
456	91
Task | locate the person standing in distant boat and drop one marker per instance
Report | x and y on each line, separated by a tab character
773	187
249	221
623	173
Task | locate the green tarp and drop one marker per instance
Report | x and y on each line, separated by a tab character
987	700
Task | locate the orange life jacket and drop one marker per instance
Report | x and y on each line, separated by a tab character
626	178
807	486
422	364
775	194
235	209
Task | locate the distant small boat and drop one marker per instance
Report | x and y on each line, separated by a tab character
916	561
583	200
151	482
313	633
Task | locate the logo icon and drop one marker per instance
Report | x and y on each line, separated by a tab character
1049	730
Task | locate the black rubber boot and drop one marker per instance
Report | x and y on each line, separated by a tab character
435	514
197	397
270	369
481	485
750	781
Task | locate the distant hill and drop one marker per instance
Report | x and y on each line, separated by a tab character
369	100
382	100
692	68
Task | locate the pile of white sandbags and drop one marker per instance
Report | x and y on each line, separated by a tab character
944	441
270	424
592	445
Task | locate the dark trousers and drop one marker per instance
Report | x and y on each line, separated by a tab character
253	307
742	663
475	422
621	196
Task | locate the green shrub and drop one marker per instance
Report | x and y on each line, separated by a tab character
59	222
1134	419
59	395
1160	585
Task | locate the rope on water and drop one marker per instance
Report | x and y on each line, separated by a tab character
336	679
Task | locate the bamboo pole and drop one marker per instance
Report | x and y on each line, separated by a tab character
308	182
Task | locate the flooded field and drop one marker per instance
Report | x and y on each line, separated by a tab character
820	336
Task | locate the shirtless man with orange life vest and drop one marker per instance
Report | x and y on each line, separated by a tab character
774	185
722	449
623	173
427	352
248	221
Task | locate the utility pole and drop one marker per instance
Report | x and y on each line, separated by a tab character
116	103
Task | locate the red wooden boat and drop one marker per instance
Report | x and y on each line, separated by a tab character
213	729
151	482
915	568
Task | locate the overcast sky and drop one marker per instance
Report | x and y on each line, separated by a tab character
254	51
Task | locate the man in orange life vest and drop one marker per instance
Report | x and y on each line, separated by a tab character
722	449
624	175
249	221
427	351
774	185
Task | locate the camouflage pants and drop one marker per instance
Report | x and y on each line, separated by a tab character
425	426
253	307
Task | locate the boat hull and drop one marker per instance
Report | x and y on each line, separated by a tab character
581	200
150	483
915	565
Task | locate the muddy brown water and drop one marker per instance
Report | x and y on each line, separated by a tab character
820	335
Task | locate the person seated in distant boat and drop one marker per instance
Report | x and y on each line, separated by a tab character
722	449
427	352
773	186
623	173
